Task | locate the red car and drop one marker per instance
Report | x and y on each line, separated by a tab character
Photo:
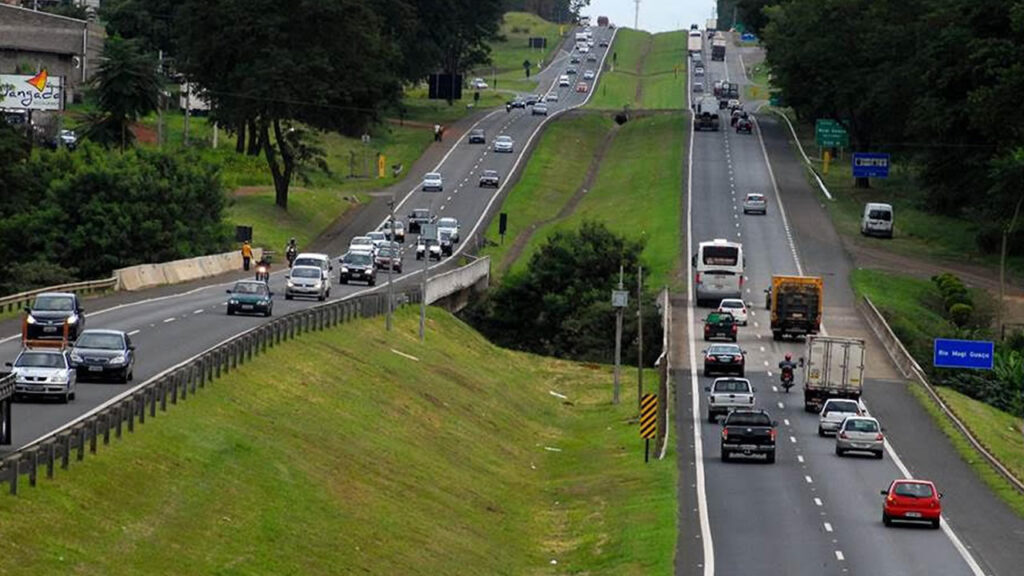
912	500
582	87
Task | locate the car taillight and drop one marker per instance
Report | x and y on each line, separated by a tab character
725	433
890	500
733	327
773	431
741	359
843	435
741	280
879	437
698	278
707	328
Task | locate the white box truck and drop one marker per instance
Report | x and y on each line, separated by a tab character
833	368
694	45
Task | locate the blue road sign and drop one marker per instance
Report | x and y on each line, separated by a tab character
748	37
974	354
870	165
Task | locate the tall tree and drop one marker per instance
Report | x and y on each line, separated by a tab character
126	84
323	63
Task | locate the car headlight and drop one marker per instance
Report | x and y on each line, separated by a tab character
73	319
119	359
318	284
344	269
290	284
75	357
59	378
31	319
232	301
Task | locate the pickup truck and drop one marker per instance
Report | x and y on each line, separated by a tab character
720	325
748	432
727	394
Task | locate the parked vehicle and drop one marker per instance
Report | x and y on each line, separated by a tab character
877	220
796	305
749	432
834	368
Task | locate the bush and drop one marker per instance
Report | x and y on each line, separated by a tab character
960	314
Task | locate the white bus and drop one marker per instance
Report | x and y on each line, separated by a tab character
718	271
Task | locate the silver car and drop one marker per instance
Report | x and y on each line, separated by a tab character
432	181
44	372
834	411
860	434
503	144
755	203
307	282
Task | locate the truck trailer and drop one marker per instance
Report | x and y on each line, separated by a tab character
795	303
833	368
718	48
694	45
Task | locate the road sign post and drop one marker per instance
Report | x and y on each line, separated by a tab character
969	354
620	299
648	421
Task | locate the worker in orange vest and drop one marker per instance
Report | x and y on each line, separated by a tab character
246	255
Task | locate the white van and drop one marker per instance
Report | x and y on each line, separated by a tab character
877	220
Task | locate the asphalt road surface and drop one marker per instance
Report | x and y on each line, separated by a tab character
811	512
177	323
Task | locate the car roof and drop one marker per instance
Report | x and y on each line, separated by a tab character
448	219
57	294
733	347
504	137
740	300
101	331
304	267
491	172
433	174
730	379
755	195
260	282
317	255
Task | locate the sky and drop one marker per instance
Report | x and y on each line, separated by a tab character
655	15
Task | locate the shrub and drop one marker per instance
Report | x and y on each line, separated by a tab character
960	314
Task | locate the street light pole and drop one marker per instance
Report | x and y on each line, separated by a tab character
391	260
639	334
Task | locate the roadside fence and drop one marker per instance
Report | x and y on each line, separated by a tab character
123	412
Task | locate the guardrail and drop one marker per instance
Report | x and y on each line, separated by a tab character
18	301
912	370
664	365
177	383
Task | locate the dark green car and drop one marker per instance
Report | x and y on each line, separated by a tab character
250	297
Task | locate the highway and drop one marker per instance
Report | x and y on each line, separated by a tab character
174	325
812	512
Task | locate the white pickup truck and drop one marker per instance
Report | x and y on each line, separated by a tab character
727	394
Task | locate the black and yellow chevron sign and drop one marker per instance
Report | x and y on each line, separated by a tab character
648	415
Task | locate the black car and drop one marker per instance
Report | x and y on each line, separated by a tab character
477	136
724	359
749	432
574	60
49	313
489	178
744	126
570	71
532	99
104	355
358	266
720	325
417	218
447	245
518	103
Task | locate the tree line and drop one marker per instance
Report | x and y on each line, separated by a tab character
933	82
269	67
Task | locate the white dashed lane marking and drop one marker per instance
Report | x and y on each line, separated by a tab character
817	501
166	320
808	479
134	332
828	527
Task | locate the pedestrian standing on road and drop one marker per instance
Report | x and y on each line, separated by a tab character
246	255
437	132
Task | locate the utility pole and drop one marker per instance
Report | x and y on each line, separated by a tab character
423	288
160	107
636	15
391	260
639	334
1002	264
619	305
188	107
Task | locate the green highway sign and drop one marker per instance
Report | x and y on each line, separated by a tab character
830	134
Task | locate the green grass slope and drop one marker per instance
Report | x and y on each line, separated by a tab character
649	72
336	454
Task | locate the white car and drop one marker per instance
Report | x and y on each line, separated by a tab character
834	411
362	244
698	71
736	307
583	48
422	248
44	372
379	238
540	109
449	225
698	87
756	203
588	75
479	84
552	96
433	181
563	81
503	144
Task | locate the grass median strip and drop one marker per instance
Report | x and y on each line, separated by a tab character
333	450
646	72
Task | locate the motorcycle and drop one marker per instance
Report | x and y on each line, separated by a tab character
263	272
787	378
290	255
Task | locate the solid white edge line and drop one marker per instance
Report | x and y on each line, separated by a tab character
698	445
953	538
807	160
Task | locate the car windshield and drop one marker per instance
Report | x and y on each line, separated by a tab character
732	386
376	236
433	176
447	223
846	407
748	419
250	288
306	272
307	262
418	213
913	490
491	173
54	304
100	341
731	304
385	252
504	139
857	425
40	360
880	215
477	132
716	350
357	259
721	255
754	198
361	241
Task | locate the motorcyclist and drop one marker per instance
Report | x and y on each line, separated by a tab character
291	251
263	268
787	368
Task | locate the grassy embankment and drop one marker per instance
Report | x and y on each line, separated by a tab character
649	72
637	191
335	453
509	54
919	234
909	306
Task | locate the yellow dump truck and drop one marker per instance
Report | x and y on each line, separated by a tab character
796	304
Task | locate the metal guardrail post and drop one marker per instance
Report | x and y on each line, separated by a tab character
51	458
12	477
33	466
140	402
65	456
94	435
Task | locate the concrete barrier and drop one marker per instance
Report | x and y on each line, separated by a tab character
145	276
455	282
